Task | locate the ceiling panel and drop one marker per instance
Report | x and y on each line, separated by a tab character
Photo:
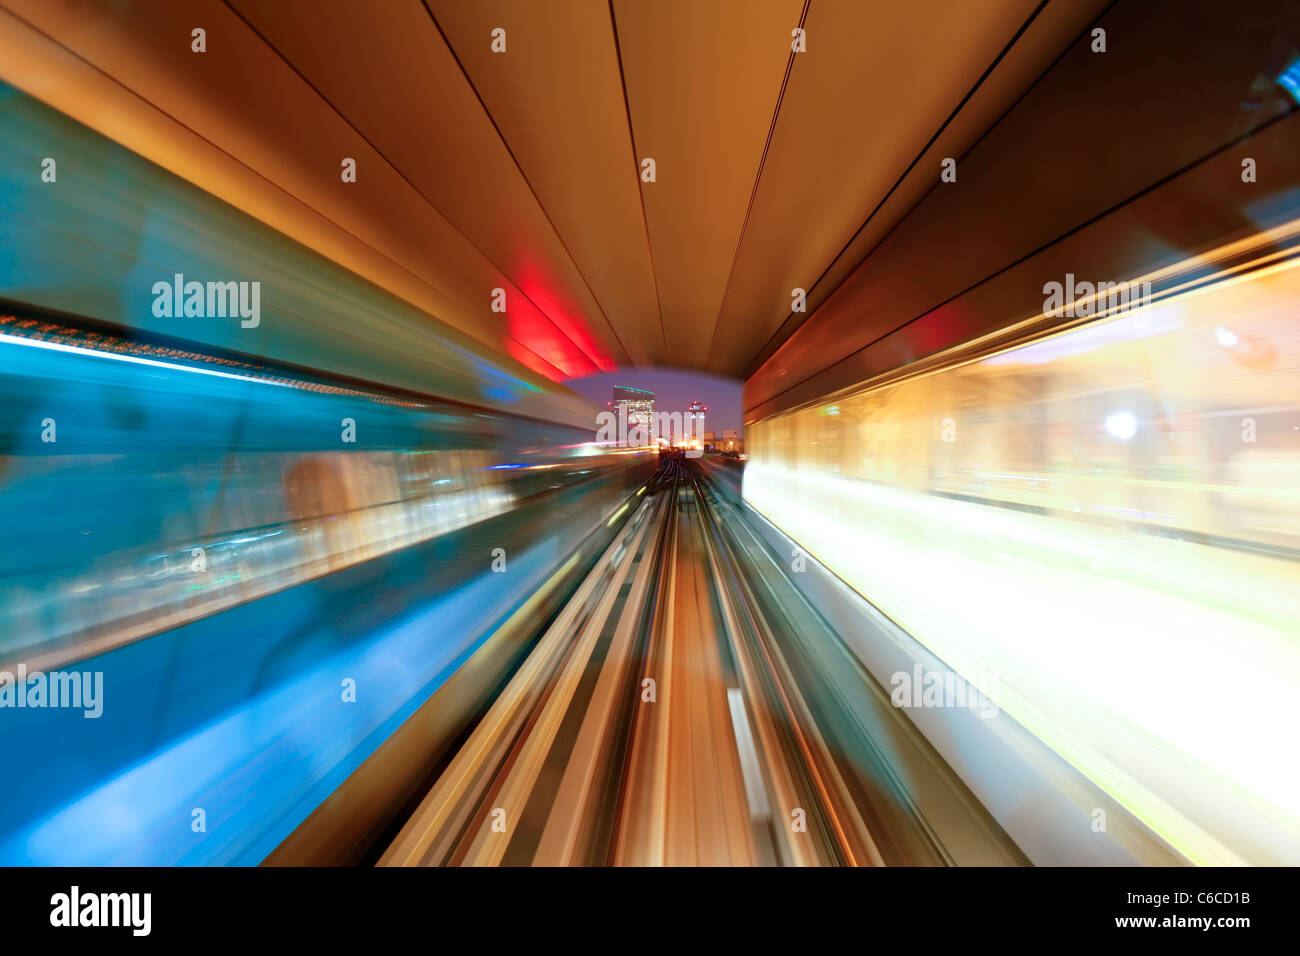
703	82
557	96
519	170
1038	176
856	113
401	87
1033	51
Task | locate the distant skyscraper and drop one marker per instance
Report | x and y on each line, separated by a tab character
640	408
695	421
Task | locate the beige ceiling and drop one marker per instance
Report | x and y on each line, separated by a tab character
520	170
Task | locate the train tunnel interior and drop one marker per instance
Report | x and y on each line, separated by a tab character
320	548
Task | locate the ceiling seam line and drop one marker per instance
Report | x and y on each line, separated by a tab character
527	182
276	186
393	166
645	219
758	178
754	363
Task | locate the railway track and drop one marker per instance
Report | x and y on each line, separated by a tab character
665	718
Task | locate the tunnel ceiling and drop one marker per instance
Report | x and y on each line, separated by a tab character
520	170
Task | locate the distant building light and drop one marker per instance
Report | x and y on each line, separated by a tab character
1227	338
1123	425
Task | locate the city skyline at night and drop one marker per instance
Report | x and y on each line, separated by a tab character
675	390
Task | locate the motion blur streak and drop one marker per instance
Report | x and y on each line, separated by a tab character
1135	482
1003	570
267	565
200	528
669	717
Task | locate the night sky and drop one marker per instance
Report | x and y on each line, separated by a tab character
674	391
